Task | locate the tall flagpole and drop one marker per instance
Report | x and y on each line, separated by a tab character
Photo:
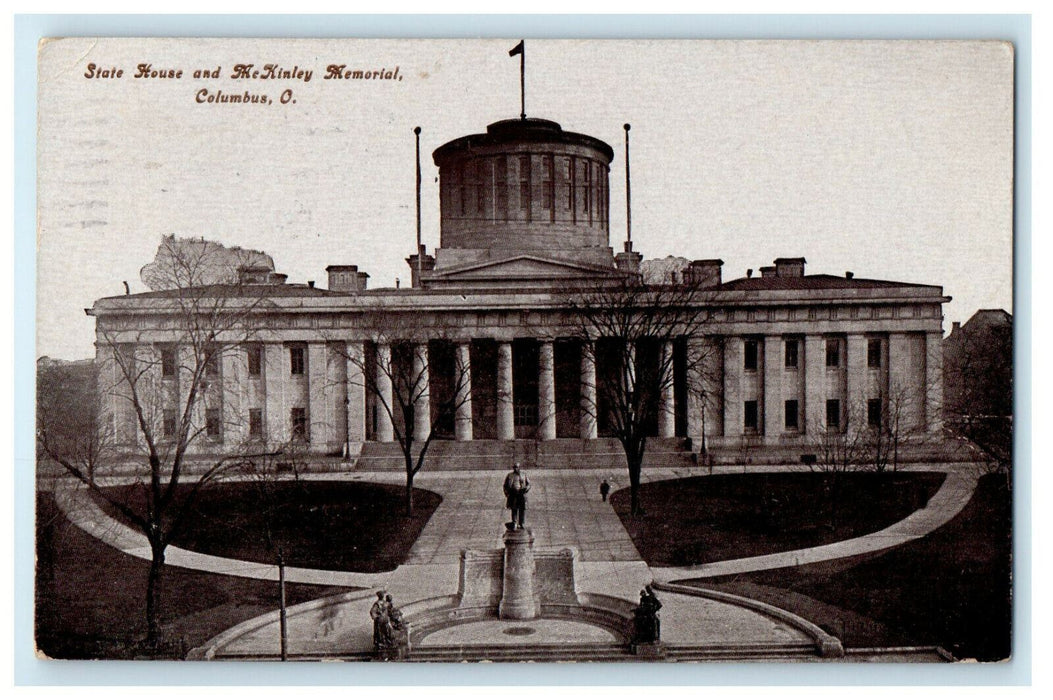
420	253
628	198
520	50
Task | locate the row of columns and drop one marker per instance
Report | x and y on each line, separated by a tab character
505	393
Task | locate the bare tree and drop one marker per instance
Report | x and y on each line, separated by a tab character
840	449
978	385
398	372
158	425
618	322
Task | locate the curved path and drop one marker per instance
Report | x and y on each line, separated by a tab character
952	496
563	511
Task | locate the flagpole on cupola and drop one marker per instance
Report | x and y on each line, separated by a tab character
520	50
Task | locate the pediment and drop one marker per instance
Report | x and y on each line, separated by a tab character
522	267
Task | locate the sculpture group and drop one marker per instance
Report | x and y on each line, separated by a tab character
390	633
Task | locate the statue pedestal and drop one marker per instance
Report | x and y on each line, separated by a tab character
653	650
517	591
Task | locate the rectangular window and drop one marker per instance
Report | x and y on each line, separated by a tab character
501	187
298	424
168	362
549	193
791	414
792	347
833	352
213	423
255	354
480	178
750	419
296	360
749	356
256	423
168	427
833	414
211	362
874	353
874	413
585	185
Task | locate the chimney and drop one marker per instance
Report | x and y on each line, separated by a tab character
704	273
789	267
254	274
421	262
346	278
628	261
767	271
956	326
310	284
749	272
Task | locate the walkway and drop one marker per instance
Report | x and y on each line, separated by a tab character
953	495
564	511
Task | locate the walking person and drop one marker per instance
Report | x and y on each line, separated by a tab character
605	489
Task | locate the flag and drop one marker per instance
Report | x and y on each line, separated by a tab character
518	49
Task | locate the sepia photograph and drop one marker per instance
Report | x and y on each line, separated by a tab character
524	350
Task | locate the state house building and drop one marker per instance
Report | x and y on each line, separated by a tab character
524	226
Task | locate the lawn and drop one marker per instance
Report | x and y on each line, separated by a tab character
91	598
729	516
336	525
951	588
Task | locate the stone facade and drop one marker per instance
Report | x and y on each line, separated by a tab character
786	358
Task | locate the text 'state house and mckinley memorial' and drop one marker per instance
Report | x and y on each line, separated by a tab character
790	357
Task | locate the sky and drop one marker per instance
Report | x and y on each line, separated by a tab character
891	159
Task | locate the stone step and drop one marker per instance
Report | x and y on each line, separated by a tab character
565	652
612	652
526	652
727	652
568	453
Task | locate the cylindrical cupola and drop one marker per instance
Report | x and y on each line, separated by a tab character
524	185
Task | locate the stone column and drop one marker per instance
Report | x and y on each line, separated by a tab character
733	406
463	377
275	369
517	590
318	418
774	368
696	390
712	383
856	371
933	391
385	431
667	398
107	374
336	395
813	413
421	392
546	391
630	366
356	392
235	415
588	391
505	422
